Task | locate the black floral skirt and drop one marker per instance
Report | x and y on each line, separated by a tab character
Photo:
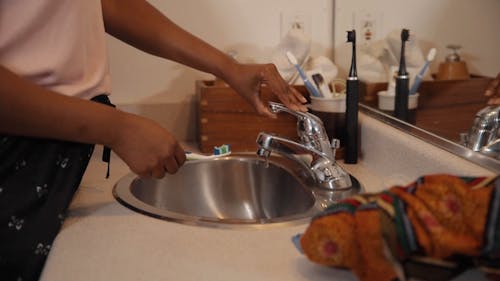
38	178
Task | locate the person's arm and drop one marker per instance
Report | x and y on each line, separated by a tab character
493	91
27	109
141	25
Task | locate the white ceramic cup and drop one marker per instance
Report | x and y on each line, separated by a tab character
334	104
386	101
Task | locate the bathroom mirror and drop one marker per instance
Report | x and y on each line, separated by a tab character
483	160
445	108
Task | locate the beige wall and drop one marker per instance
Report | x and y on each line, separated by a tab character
436	23
149	85
250	27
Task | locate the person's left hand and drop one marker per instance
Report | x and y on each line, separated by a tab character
247	80
493	91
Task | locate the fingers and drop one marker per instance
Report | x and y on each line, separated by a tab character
493	87
301	99
493	91
494	101
263	110
180	156
169	164
175	160
158	172
285	93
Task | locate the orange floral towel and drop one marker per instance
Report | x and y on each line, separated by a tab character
434	228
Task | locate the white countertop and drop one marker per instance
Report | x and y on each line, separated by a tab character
103	240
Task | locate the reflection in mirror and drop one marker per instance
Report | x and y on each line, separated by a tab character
446	108
481	159
466	59
484	135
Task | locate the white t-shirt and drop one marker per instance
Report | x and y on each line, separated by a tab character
58	44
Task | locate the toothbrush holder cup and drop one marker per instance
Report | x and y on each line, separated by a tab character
386	104
332	112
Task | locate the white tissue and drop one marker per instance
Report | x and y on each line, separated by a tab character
376	60
370	68
323	64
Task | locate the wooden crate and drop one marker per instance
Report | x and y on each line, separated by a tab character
224	117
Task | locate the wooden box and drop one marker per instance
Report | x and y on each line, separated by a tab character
445	107
224	117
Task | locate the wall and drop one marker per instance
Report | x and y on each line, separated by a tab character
165	90
471	24
252	28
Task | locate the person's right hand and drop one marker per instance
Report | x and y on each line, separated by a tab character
247	80
493	91
148	149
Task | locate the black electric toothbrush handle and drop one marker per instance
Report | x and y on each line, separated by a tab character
351	114
401	102
352	99
402	82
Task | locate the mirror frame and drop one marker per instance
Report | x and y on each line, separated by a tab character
480	159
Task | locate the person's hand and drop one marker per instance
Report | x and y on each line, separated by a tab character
147	148
248	78
493	91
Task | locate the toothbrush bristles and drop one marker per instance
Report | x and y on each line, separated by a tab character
431	55
351	36
405	34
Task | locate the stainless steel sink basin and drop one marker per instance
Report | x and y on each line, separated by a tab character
239	190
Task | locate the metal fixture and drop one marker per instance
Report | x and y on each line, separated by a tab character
454	56
484	135
320	164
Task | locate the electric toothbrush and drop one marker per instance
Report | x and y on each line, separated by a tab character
352	98
402	82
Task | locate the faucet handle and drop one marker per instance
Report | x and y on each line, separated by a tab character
278	107
307	123
310	128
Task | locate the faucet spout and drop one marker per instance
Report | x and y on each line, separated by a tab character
315	153
318	165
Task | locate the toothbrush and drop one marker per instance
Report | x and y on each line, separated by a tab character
219	151
321	84
418	79
352	98
309	86
402	82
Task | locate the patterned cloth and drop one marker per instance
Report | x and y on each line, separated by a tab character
432	229
38	178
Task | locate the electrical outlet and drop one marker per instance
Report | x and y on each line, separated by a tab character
291	20
368	26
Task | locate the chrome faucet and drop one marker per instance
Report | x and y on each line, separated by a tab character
484	135
314	142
